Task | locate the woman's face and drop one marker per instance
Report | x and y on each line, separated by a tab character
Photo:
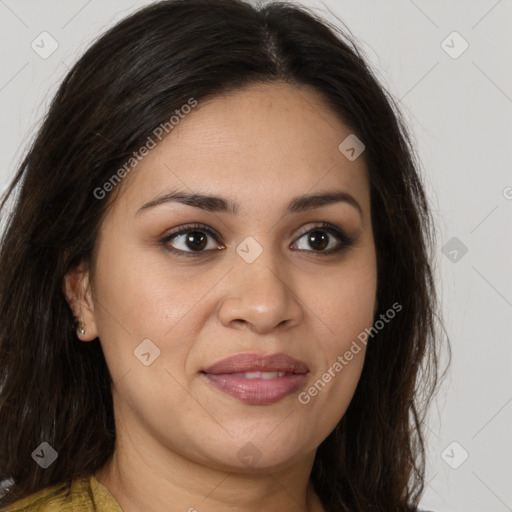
251	283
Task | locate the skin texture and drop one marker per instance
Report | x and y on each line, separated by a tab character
177	435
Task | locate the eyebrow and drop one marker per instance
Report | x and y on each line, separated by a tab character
218	204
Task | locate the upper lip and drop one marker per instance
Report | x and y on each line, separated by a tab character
251	362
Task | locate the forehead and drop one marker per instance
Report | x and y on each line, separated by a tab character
266	142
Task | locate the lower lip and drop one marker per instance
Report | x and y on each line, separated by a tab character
257	391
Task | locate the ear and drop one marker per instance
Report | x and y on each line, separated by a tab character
77	289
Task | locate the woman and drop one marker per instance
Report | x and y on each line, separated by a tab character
216	288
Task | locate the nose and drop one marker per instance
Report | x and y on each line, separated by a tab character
261	296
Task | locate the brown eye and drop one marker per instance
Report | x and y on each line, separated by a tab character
191	239
320	237
196	240
318	240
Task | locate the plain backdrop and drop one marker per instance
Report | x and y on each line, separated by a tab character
448	64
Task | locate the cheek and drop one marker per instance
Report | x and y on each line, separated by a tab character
140	294
136	301
344	303
335	376
344	308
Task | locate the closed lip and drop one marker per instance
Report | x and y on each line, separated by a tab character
253	362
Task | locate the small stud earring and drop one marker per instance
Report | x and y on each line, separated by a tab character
80	330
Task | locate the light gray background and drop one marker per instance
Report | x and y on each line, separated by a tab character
459	110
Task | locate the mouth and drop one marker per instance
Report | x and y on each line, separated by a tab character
256	379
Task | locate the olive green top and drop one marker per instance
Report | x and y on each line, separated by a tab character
86	495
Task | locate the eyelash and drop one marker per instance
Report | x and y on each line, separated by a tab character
345	240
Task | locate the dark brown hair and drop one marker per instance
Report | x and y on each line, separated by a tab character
56	389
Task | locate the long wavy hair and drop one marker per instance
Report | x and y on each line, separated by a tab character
56	389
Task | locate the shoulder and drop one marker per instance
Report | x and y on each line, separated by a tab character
58	498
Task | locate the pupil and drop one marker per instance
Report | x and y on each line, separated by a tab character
320	238
196	240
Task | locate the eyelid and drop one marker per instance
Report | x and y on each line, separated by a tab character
320	225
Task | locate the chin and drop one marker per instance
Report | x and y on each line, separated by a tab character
253	454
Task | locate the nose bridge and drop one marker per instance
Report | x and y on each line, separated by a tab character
259	293
260	273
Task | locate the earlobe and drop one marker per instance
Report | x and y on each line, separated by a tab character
77	290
